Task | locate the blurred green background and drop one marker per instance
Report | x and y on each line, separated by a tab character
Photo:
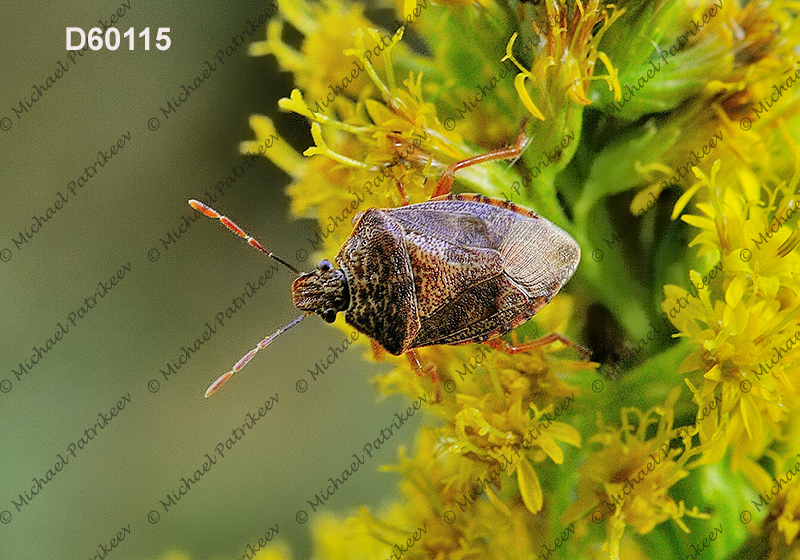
162	304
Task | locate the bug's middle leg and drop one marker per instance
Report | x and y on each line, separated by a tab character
446	181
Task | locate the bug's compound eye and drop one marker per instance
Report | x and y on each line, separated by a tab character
329	315
325	265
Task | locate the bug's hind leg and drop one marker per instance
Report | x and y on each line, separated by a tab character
446	180
413	359
503	346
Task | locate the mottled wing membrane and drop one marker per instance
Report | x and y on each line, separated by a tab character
451	221
479	313
442	269
539	256
465	223
482	266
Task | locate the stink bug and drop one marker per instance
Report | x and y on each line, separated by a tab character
457	269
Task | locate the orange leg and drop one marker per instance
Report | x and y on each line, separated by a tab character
503	346
413	359
377	350
446	181
403	194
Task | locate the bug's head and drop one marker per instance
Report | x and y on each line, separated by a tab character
323	291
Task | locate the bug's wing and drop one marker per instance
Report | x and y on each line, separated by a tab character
464	223
484	266
539	256
479	313
450	249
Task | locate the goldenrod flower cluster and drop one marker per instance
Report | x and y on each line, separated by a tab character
663	136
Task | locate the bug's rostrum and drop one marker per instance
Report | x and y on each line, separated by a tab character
323	291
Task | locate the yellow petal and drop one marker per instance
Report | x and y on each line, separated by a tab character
718	446
322	149
378	112
297	104
566	433
699	221
551	448
529	487
639	203
734	293
408	8
519	83
497	502
756	474
750	416
715	374
278	150
684	200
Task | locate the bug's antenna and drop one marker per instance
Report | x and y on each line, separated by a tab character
228	223
249	356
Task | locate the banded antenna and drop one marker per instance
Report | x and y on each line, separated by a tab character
228	223
249	356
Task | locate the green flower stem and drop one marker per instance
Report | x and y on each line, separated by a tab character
609	276
541	197
658	376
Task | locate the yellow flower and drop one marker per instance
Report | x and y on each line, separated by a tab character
745	321
321	65
385	149
503	413
443	515
627	481
564	65
739	114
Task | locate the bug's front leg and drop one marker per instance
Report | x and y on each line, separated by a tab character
446	181
413	359
403	195
377	350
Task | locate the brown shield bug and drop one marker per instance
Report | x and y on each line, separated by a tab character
457	269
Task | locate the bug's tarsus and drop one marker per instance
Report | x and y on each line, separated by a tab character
503	346
228	223
249	356
413	359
